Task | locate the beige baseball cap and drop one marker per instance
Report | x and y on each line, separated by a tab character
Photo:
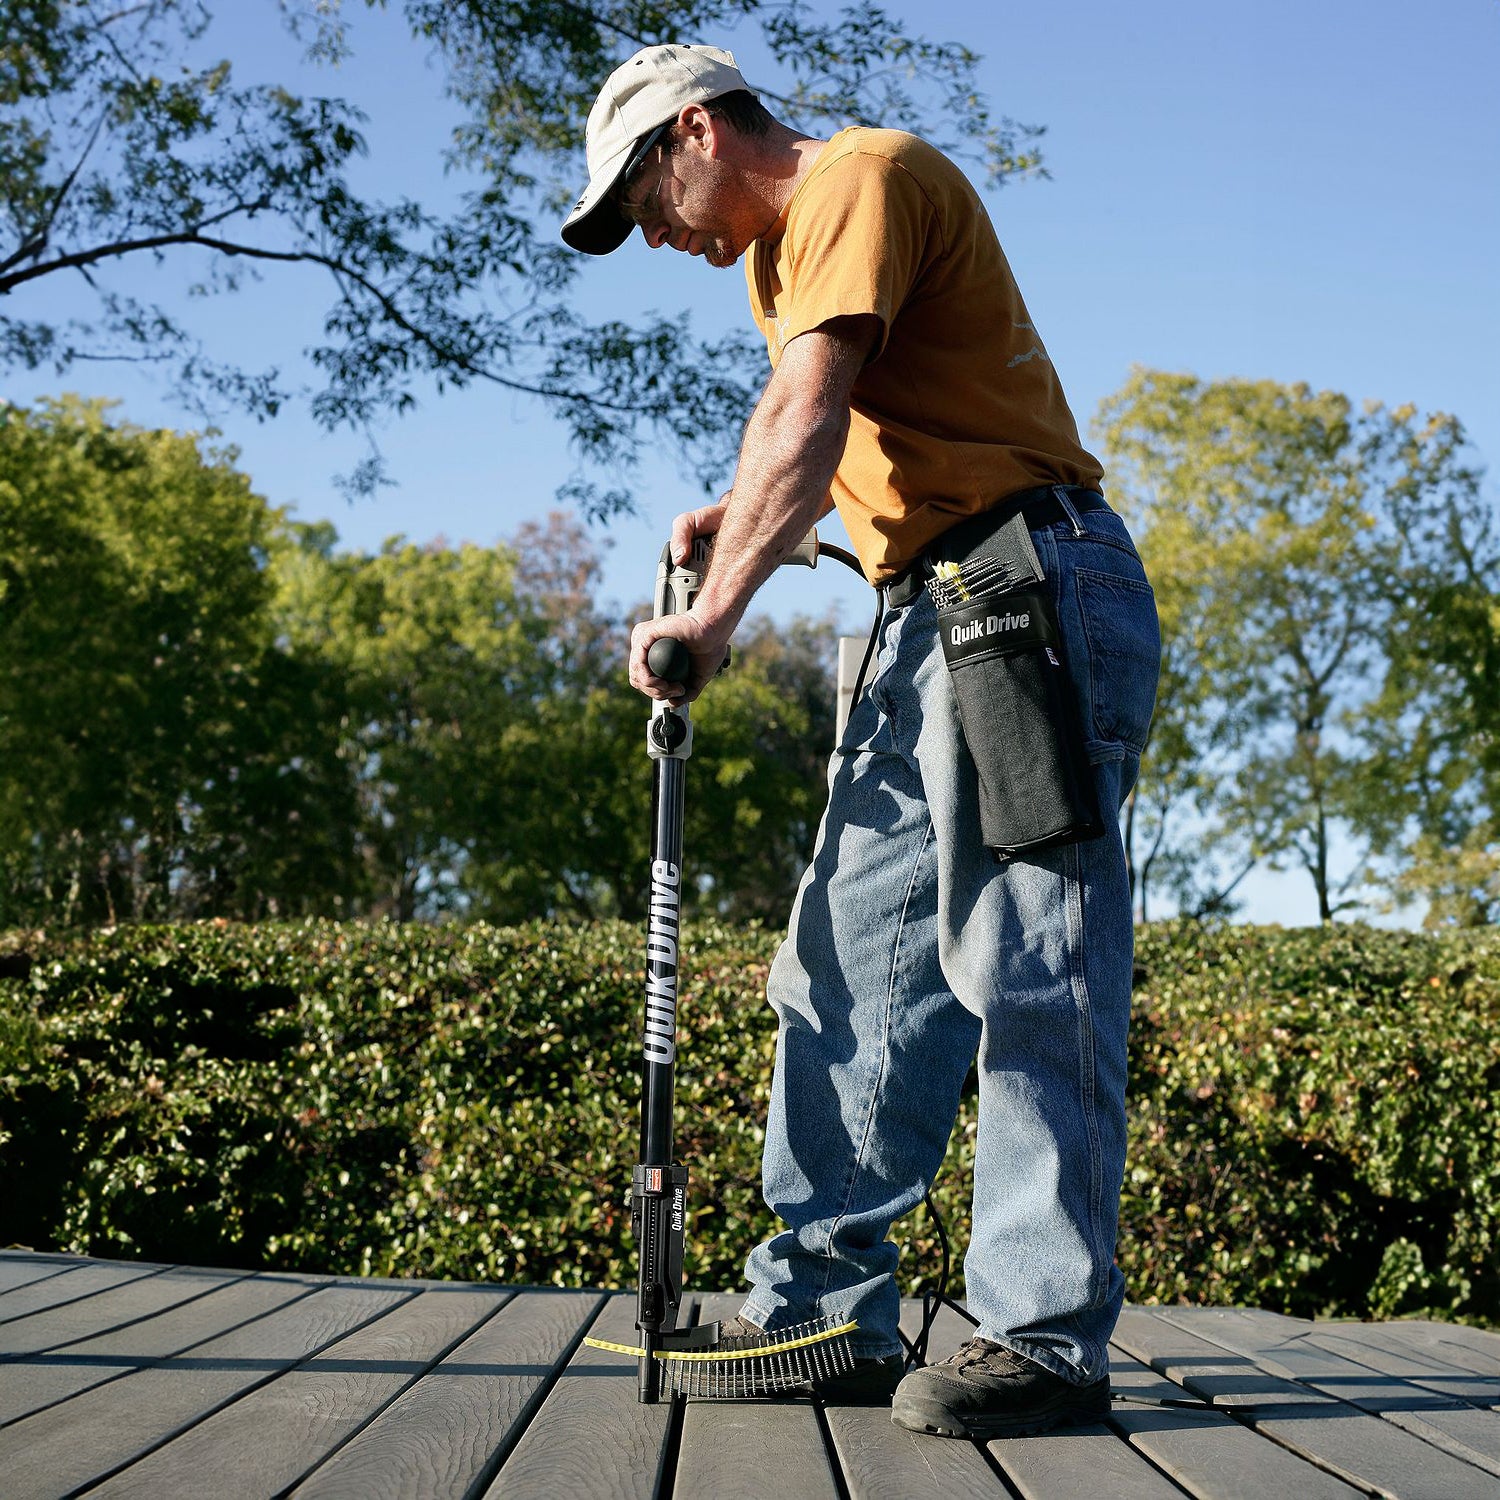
645	91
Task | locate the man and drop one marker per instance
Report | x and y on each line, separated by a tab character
910	389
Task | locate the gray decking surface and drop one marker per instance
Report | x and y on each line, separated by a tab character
168	1381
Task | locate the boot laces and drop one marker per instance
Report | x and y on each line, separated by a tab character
985	1354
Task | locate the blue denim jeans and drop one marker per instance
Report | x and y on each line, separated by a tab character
912	953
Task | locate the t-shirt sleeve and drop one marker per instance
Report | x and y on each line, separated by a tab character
856	245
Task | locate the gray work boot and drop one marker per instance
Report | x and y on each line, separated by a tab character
987	1390
871	1382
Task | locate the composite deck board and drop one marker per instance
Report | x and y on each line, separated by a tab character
591	1438
70	1322
1487	1339
1423	1364
744	1449
1465	1347
36	1381
1208	1453
176	1382
748	1450
1444	1421
21	1268
88	1436
1470	1348
86	1280
1081	1460
1365	1449
881	1461
878	1460
313	1408
444	1433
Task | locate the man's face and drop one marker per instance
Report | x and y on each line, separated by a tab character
686	198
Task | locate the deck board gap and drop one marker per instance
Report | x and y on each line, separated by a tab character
835	1464
433	1361
141	1317
1009	1489
135	1366
81	1276
308	1386
665	1487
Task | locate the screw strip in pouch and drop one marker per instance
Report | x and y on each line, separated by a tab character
959	583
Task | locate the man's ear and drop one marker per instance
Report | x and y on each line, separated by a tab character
700	128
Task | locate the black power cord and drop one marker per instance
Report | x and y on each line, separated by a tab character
840	554
934	1299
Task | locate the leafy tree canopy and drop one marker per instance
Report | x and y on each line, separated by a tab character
123	138
209	710
1326	578
133	598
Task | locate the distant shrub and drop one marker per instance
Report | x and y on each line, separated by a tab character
1313	1116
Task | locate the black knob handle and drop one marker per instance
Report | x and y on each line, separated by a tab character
669	659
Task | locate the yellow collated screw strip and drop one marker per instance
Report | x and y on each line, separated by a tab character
950	573
760	1351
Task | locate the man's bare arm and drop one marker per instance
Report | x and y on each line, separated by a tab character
791	448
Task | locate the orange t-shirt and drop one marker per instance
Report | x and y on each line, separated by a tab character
959	406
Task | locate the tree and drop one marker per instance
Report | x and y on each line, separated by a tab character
135	624
1285	533
759	777
499	751
1434	729
208	711
438	676
122	139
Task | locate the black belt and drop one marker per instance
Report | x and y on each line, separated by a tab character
1042	507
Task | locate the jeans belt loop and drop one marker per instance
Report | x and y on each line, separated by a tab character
1060	491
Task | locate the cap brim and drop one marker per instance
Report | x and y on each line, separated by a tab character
596	226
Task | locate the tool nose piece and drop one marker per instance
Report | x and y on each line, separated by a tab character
669	659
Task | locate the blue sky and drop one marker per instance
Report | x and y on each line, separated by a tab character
1296	191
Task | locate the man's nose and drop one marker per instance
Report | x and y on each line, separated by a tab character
656	234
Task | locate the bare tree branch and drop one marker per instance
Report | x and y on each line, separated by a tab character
38	241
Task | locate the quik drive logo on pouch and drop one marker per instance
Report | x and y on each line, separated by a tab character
1016	621
974	630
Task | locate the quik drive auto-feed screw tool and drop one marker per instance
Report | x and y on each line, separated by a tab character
693	1361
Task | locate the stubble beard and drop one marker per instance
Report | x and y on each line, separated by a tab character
719	252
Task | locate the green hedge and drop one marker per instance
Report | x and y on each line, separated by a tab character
1313	1113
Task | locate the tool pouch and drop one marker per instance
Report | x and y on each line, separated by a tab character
1003	647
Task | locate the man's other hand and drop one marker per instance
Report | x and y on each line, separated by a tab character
692	524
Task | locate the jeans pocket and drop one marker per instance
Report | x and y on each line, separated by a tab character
1124	637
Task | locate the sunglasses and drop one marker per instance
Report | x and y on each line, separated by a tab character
638	159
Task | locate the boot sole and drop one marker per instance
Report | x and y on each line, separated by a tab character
933	1417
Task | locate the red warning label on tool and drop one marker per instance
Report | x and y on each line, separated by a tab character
653	1179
